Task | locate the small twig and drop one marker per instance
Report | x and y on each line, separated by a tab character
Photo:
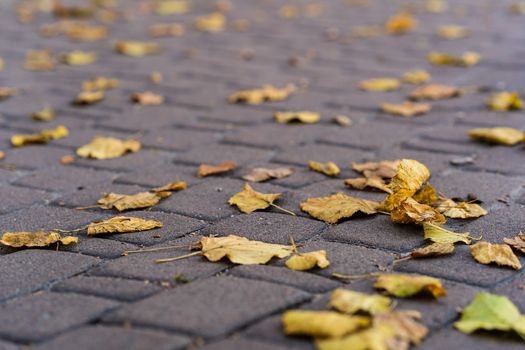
88	207
158	249
354	277
160	261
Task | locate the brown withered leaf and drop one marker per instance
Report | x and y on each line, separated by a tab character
171	187
122	224
35	239
307	261
385	169
411	212
380	84
44	115
108	148
42	137
100	83
139	200
321	324
401	23
76	12
147	98
78	58
465	60
434	92
406	109
338	206
417	76
461	210
328	168
434	249
41	60
403	286
163	30
517	242
6	92
263	174
452	32
372	182
88	97
137	48
208	170
211	23
498	135
305	117
500	254
505	101
249	200
267	93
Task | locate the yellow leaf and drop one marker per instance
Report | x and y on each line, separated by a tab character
172	7
100	83
307	261
45	115
304	117
147	98
436	6
322	324
380	84
35	239
139	200
88	97
42	137
267	93
403	286
427	195
461	210
411	175
452	32
241	250
505	101
263	174
401	23
342	120
499	135
411	212
137	48
366	31
163	30
107	148
328	168
465	60
78	58
363	182
338	206
438	234
249	200
6	92
207	170
171	187
501	254
214	22
417	76
122	224
350	302
39	61
87	33
517	242
406	109
434	249
434	92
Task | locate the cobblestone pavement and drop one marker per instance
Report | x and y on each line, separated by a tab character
90	296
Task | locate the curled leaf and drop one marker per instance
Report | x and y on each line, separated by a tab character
411	175
304	117
505	101
307	261
137	48
438	234
434	92
328	168
364	182
108	148
323	324
500	254
267	93
465	60
88	97
417	76
434	249
401	23
35	239
517	242
380	84
263	174
406	109
139	200
411	212
249	200
461	210
338	206
350	302
499	135
207	170
403	286
42	137
122	224
427	195
147	98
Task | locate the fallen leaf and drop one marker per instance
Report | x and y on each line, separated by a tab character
385	169
304	117
45	115
426	195
491	312
100	83
411	212
88	97
172	7
518	242
366	31
452	32
207	170
78	58
156	77
499	135
35	239
42	137
380	84
322	324
465	60
401	23
108	148
342	120
338	206
164	30
505	101
249	200
2	155
122	224
41	60
461	210
434	92
211	23
307	261
171	187
436	6
139	200
403	286
350	302
6	92
67	159
147	98
363	182
83	32
517	8
434	249
417	76
501	254
137	48
406	109
263	174
328	168
438	234
267	93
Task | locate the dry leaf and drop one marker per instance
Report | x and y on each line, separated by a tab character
171	187
263	174
453	32
35	239
501	254
307	261
139	200
406	109
380	84
342	120
42	137
163	30
434	92
411	212
417	76
505	101
322	324
499	135
6	92
137	48
108	148
249	200
385	169
350	302
427	195
517	8
434	249
122	224
465	60
461	210
39	61
364	182
403	286
88	97
491	312
147	98
67	159
78	58
2	155
212	23
304	117
47	114
328	168
401	23
100	83
411	175
172	7
207	170
83	32
438	234
267	93
338	206
517	242
156	77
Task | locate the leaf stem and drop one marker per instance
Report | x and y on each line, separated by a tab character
158	249
354	277
160	261
285	210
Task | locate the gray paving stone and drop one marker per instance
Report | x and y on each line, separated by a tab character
452	338
177	139
20	197
270	330
214	154
210	307
8	346
240	343
36	157
300	155
98	247
87	196
129	162
162	174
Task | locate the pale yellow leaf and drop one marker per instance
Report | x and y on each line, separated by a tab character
411	212
44	115
406	109
499	135
461	210
211	23
137	48
380	84
322	324
147	98
108	148
438	234
263	174
100	83
403	286
78	58
39	61
267	93
171	187
172	7
417	76
328	168
517	242
505	101
139	200
350	302
338	206
452	32
122	224
401	23
249	200
35	239
42	137
304	117
364	182
500	254
465	60
307	261
434	249
434	92
88	97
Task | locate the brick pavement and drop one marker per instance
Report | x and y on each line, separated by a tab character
90	296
